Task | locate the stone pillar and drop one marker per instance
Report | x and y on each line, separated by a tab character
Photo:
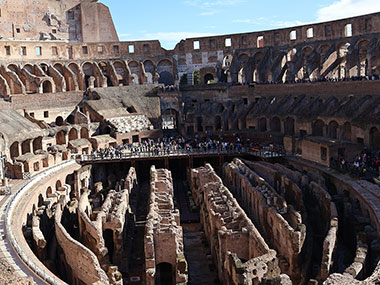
31	146
91	82
20	149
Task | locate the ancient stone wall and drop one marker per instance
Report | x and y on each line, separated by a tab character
357	220
83	262
280	223
72	20
329	216
106	214
163	241
239	250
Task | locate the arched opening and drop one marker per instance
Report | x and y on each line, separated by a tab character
317	128
37	144
243	60
263	125
343	72
14	149
257	59
104	68
310	66
289	126
28	67
73	134
346	131
135	68
49	192
169	119
84	133
363	60
275	125
88	70
374	138
78	75
164	274
47	87
13	67
333	129
60	138
209	78
58	185
122	73
59	121
149	70
25	147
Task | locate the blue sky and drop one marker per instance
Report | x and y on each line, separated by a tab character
172	20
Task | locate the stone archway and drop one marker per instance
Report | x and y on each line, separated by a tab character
318	128
374	138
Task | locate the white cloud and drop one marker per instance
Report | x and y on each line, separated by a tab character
347	8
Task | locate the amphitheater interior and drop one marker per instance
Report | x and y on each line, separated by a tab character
235	159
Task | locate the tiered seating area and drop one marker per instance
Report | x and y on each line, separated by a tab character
132	123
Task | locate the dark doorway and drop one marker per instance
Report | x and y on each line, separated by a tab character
164	274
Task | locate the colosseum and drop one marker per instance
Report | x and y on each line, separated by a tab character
236	159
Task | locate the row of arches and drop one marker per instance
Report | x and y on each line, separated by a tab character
27	146
34	145
320	128
61	77
63	136
340	60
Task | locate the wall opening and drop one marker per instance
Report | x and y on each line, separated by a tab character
164	274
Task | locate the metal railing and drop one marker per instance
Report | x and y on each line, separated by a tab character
175	153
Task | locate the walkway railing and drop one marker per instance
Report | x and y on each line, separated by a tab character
175	153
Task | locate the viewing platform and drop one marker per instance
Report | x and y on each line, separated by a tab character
129	156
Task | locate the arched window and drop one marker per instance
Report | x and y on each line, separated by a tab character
47	87
333	129
317	128
275	125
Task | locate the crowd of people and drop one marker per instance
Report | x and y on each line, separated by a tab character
316	80
169	145
365	165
